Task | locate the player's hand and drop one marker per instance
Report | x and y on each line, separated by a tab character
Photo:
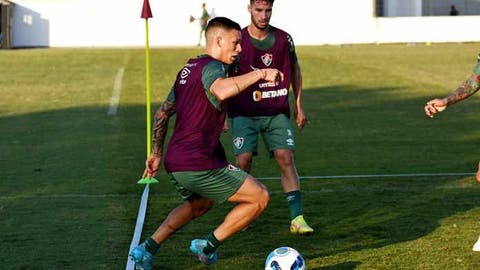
435	106
151	165
272	75
300	117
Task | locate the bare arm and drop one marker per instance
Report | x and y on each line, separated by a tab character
465	90
469	87
162	116
297	85
224	88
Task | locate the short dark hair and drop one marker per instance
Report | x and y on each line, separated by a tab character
269	1
222	22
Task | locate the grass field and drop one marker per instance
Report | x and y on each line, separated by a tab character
68	170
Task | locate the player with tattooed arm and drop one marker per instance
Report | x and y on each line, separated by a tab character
195	159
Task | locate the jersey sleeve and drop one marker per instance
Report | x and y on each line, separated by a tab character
171	96
211	72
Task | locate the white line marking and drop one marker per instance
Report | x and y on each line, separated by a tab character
139	226
117	88
373	175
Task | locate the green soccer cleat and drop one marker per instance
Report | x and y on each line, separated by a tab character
300	227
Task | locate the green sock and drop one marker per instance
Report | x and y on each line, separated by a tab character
294	199
151	245
212	244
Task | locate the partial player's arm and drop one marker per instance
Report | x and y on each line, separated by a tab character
465	90
469	87
300	116
160	127
223	88
297	85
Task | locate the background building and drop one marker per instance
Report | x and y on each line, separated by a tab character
117	23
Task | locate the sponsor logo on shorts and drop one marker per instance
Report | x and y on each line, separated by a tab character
289	133
238	142
290	142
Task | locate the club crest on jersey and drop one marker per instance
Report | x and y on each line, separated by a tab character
267	59
238	142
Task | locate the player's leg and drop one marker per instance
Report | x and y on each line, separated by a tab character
289	176
251	200
236	186
244	161
190	209
200	38
193	206
245	139
279	138
478	172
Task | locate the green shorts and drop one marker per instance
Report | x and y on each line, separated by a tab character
276	131
217	185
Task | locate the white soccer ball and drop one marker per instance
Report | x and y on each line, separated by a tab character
285	258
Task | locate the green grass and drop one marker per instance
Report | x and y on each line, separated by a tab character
68	171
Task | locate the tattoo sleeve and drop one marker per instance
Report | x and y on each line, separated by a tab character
466	89
160	127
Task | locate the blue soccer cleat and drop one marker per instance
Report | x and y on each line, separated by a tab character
141	257
196	247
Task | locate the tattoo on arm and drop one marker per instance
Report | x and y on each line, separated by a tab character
466	89
161	126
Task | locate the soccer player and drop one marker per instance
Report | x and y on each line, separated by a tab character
203	22
264	107
469	87
195	159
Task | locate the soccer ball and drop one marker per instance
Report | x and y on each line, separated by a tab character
285	258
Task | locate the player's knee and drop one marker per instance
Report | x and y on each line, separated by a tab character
263	200
244	163
284	158
199	208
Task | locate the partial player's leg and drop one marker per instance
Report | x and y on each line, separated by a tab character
291	187
478	172
233	185
245	141
251	199
244	161
279	139
192	208
289	176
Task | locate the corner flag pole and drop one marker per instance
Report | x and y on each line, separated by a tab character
147	13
